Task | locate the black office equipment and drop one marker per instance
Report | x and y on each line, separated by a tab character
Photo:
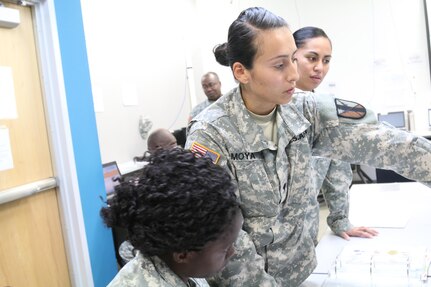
387	176
181	136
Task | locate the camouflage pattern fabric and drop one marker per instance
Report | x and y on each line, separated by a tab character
142	271
200	107
275	182
126	251
333	179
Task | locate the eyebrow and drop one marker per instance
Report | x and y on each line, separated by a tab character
279	56
317	54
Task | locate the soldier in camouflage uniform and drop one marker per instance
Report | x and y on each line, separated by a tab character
182	217
332	177
212	88
267	145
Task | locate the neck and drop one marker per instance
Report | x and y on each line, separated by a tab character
175	267
255	105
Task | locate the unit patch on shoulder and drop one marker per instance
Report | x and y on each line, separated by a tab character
349	109
202	151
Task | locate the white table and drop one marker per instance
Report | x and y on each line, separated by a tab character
401	212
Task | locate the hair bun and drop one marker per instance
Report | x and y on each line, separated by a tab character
221	54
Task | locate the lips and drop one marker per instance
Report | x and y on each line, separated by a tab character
290	91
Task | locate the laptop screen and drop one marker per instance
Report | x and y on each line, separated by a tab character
396	119
110	174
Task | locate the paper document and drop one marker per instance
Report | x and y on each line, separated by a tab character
385	209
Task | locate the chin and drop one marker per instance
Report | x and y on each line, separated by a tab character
220	269
286	100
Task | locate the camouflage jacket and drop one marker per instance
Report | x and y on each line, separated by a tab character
333	179
200	107
275	183
144	271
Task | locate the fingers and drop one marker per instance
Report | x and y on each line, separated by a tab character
344	235
371	231
364	232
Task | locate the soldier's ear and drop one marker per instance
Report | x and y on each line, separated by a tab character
240	73
182	257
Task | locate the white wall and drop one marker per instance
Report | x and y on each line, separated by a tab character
136	48
379	57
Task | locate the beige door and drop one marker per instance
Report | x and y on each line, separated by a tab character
32	251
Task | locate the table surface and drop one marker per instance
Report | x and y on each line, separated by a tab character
401	212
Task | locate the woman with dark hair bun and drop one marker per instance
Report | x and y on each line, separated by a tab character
267	143
332	177
182	217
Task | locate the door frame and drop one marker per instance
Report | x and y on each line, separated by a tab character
60	136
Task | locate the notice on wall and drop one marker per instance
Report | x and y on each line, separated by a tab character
129	93
7	94
6	161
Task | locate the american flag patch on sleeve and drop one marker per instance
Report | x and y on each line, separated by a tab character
202	151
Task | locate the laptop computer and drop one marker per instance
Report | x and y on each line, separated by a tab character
397	119
111	174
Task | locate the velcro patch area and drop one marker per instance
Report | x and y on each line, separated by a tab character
349	109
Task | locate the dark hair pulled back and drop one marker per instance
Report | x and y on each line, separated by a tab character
302	35
241	45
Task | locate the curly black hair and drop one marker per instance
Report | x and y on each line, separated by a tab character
180	203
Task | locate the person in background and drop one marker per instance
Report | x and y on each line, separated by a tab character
212	89
161	139
333	178
182	216
267	146
158	139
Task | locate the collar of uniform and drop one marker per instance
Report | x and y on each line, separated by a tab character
210	102
250	130
291	121
163	269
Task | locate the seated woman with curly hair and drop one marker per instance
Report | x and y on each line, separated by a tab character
182	216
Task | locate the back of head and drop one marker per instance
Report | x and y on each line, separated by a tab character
161	139
179	204
241	46
302	35
158	139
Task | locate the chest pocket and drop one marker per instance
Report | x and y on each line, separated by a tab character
300	183
258	196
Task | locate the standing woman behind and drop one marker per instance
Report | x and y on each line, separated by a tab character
333	178
267	146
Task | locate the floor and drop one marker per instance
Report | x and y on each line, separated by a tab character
322	223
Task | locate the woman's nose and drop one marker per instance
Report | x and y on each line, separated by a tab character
318	66
292	73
